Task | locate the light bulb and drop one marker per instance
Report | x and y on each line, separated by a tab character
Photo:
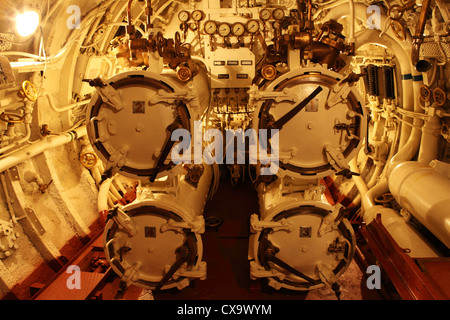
27	23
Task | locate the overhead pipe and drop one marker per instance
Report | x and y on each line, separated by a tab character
49	142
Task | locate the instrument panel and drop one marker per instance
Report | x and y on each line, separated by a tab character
250	26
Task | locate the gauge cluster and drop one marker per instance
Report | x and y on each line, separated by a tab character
197	21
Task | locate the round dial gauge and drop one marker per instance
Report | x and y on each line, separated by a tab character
197	15
264	14
253	26
210	27
238	29
183	16
224	29
278	14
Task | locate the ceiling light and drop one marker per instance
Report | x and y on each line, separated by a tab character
27	23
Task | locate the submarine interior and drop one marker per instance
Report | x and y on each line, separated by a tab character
280	149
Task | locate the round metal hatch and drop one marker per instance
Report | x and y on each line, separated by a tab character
131	136
319	139
145	258
303	253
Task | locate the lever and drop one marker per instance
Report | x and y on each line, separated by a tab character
347	173
166	149
270	255
288	116
183	256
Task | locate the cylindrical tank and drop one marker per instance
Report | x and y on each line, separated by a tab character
324	135
299	241
132	115
155	242
425	193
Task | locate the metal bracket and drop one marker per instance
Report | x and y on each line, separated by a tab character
14	174
330	222
326	274
286	95
336	158
257	225
199	272
163	96
196	226
341	89
339	92
108	94
257	271
131	273
35	221
123	220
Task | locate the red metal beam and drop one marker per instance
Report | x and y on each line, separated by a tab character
408	279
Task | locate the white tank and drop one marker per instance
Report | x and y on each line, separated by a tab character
155	242
132	115
325	134
425	193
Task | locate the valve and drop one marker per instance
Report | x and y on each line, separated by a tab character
439	97
11	117
28	91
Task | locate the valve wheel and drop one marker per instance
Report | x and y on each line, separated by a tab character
425	93
11	118
213	222
29	90
398	29
177	43
439	96
88	160
160	43
384	198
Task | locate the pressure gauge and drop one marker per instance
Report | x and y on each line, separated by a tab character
253	26
278	14
265	14
224	29
210	27
197	15
183	16
238	29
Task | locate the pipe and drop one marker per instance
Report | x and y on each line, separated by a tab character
368	201
359	181
102	203
18	142
49	142
429	145
425	193
351	38
417	42
67	107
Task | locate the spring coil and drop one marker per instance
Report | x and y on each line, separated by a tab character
372	80
388	80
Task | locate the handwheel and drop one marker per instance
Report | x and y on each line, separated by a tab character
29	90
11	117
